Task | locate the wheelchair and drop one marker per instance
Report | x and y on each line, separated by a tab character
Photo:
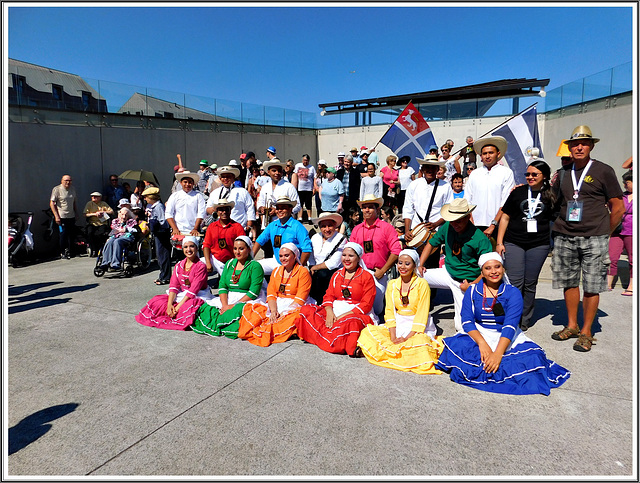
136	255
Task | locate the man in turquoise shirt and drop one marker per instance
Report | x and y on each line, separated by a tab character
283	230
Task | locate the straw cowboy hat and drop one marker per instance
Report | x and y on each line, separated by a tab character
284	200
229	170
430	160
370	199
274	162
188	174
455	210
581	132
497	141
222	202
328	216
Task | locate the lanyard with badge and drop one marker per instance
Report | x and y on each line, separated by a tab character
532	223
574	208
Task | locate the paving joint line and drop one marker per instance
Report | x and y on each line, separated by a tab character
185	411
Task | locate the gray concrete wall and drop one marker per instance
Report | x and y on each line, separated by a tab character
41	153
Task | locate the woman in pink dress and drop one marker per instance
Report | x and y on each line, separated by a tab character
390	180
188	288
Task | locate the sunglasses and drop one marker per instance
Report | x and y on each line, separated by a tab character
531	175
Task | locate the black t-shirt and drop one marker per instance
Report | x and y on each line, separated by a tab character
517	207
599	186
468	156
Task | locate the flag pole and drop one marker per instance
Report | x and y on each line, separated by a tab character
500	125
385	133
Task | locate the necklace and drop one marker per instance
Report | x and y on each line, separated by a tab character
405	298
484	299
283	282
346	293
235	277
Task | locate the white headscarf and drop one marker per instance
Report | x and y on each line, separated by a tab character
359	251
485	257
290	246
414	256
246	239
190	238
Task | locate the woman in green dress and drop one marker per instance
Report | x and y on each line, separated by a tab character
240	282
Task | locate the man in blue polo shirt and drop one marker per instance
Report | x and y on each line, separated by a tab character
283	230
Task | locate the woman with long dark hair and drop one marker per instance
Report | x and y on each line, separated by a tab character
524	233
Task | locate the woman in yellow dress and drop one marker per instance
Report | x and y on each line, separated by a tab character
288	290
407	341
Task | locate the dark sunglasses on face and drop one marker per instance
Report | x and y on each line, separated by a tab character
531	175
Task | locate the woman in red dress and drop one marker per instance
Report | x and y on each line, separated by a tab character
346	309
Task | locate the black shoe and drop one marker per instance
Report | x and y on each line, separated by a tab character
524	327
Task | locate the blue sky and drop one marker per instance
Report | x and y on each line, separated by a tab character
298	57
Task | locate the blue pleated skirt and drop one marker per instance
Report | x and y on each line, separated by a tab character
524	368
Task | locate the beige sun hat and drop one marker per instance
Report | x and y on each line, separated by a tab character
581	132
370	199
456	209
328	216
285	200
430	160
222	202
497	141
229	170
188	174
273	162
151	190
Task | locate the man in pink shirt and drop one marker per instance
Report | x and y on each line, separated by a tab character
381	246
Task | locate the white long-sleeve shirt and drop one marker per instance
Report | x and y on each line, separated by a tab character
488	190
185	208
416	201
322	248
244	209
369	185
269	195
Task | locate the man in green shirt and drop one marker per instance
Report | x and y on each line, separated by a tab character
463	245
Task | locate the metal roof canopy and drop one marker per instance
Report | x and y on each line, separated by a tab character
507	88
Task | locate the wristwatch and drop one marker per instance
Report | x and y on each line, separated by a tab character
494	222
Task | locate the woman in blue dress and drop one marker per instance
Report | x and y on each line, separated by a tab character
492	353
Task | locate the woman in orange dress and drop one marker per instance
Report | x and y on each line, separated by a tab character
288	290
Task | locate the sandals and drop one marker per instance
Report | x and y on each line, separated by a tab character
565	333
357	353
628	293
583	344
157	281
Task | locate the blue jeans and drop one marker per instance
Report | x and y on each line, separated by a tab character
112	251
523	268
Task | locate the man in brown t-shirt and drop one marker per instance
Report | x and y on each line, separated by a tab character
584	187
63	205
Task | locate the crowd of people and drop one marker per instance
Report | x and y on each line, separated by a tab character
361	279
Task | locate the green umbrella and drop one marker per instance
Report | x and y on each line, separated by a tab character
140	175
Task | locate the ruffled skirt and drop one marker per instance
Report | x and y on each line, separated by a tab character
524	368
256	327
340	338
154	314
209	321
417	354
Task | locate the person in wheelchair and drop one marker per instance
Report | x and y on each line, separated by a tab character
122	235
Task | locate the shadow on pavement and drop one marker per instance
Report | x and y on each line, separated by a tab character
558	312
20	289
34	426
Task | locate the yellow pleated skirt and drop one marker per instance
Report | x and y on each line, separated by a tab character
418	354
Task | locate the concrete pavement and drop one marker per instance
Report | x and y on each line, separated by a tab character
92	393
